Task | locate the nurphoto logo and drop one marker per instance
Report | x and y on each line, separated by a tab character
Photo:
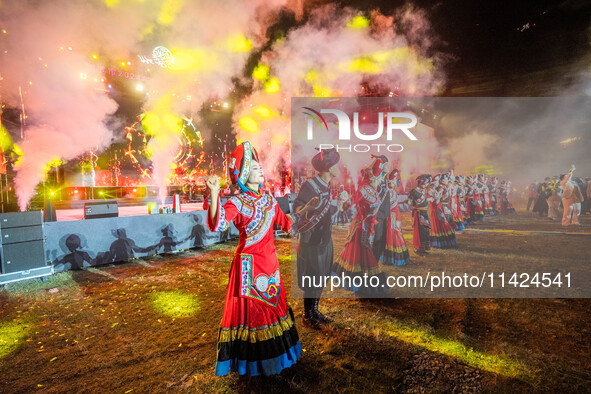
395	122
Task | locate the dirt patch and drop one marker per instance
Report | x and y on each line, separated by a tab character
98	333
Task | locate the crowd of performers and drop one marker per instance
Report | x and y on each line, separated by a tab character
444	203
460	200
571	193
258	333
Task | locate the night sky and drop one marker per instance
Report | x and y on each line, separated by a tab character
490	56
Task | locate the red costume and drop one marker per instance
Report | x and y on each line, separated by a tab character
458	204
482	180
257	334
396	252
479	199
445	193
442	235
357	257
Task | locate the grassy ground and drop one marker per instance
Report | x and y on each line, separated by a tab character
151	325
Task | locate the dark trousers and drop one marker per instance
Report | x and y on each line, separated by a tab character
472	210
379	242
425	237
343	217
314	262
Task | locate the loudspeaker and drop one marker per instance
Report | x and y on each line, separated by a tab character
22	256
101	209
21	237
13	235
20	219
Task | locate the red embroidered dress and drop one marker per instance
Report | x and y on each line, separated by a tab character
396	252
357	257
487	200
457	205
257	334
441	232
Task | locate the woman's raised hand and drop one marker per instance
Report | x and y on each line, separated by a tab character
213	184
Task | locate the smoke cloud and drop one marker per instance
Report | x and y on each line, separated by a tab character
338	52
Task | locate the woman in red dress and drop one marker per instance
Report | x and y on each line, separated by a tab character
442	235
396	252
357	258
458	204
445	192
257	333
470	201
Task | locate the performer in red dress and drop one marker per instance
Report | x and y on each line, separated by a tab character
444	190
458	205
396	252
442	235
486	200
470	201
257	333
357	258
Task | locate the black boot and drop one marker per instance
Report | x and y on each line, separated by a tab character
421	252
309	318
319	316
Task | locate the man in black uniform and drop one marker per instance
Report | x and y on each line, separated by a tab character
380	227
315	251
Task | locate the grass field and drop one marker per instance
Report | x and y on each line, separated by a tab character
151	326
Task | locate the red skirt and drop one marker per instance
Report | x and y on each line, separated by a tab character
396	252
356	260
255	338
458	216
442	235
357	257
479	209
